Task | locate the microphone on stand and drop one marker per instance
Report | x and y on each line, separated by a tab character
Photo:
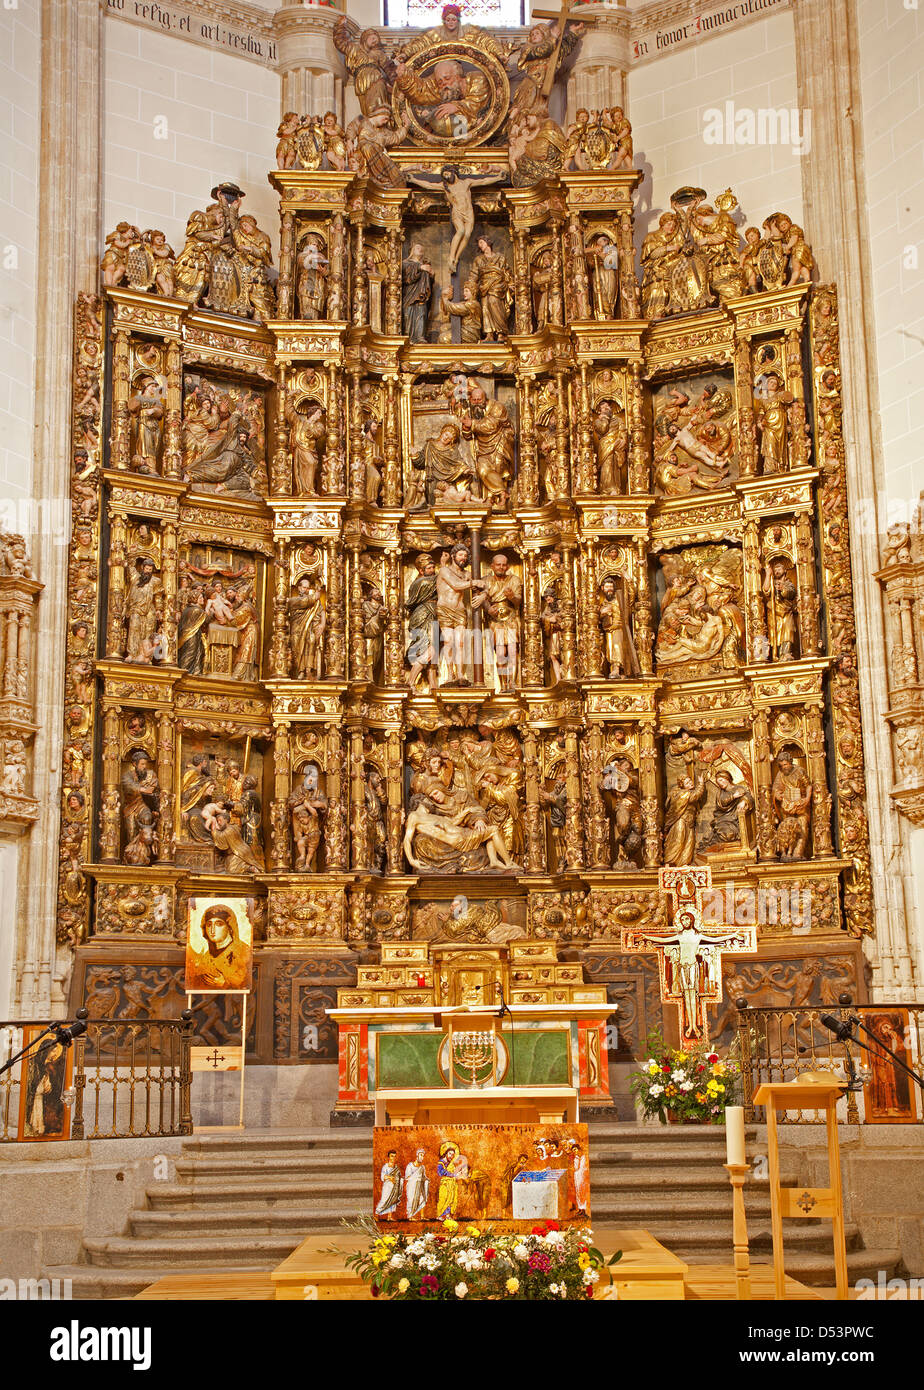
841	1028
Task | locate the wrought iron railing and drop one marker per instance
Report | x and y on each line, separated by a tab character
781	1044
129	1078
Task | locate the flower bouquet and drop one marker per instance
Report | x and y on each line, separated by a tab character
467	1261
692	1085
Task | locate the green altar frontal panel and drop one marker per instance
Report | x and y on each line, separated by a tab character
413	1058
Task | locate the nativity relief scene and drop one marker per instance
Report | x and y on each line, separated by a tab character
488	533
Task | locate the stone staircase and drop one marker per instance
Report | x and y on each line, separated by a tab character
244	1201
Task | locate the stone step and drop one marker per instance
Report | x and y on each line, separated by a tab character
214	1251
203	1170
249	1192
274	1141
96	1282
816	1267
241	1223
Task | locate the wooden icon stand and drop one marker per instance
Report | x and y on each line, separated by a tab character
802	1202
212	1059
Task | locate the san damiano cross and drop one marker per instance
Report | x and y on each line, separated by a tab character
689	952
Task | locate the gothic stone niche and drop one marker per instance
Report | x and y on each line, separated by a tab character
219	826
147	407
224	436
695	433
221	600
468	300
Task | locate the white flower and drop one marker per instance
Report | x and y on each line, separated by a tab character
687	1085
461	1290
397	1260
678	1075
590	1276
555	1238
655	1090
520	1251
429	1262
553	1288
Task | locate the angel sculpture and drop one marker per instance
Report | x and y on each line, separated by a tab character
457	185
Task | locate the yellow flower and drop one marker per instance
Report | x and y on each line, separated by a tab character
472	1231
512	1285
403	1285
720	1088
450	1224
680	1056
583	1260
700	1096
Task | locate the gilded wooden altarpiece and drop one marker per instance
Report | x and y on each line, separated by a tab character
444	587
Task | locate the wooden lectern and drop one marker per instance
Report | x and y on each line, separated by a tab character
801	1202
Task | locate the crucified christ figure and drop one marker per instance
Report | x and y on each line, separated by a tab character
457	189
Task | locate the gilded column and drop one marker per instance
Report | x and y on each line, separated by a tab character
393	284
598	830
766	832
391	482
110	813
173	418
590	618
524	311
358	665
336	286
628	283
358	816
121	385
747	428
809	644
115	618
335	838
279	811
394	650
360	279
394	814
280	656
557	288
169	559
285	297
334	473
562	465
532	815
799	445
568	613
532	631
166	761
817	773
281	482
755	614
642	627
357	467
335	636
11	654
639	474
586	470
648	792
574	832
529	468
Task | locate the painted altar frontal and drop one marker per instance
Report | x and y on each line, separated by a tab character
510	1176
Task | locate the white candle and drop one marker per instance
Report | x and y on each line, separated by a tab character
734	1135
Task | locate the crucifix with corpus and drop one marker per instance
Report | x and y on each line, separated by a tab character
690	953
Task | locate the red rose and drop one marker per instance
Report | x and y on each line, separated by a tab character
700	1067
665	1067
538	1231
589	1291
713	1057
490	1253
552	1226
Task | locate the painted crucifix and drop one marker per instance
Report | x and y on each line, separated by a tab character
690	952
